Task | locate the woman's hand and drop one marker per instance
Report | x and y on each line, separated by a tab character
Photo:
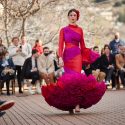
61	63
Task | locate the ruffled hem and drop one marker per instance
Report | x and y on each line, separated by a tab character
73	89
89	56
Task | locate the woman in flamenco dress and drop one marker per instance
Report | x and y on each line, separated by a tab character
73	90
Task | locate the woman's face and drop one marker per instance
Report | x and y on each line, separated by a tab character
72	17
23	40
37	43
107	50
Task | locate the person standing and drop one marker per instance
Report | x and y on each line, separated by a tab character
26	46
38	47
18	54
114	44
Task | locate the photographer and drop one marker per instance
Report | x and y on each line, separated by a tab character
18	54
7	71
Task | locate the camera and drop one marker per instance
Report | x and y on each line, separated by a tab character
20	47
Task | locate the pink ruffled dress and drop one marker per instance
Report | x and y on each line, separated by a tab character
74	88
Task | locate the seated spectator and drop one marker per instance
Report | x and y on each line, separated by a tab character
107	64
38	47
120	64
46	66
5	105
6	70
103	67
96	49
30	71
94	69
19	53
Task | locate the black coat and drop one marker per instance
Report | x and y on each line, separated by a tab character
27	67
103	62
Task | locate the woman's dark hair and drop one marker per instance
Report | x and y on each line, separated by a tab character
37	41
76	11
106	46
102	51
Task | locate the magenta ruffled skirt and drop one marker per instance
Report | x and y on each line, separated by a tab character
73	89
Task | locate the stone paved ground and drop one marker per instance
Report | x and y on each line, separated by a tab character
33	110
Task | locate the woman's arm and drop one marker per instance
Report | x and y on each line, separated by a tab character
61	43
82	42
85	52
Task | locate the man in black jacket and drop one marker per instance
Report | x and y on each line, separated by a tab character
107	63
30	71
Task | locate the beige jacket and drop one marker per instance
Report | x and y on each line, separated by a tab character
45	64
120	61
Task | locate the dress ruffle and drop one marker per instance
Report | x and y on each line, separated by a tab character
89	56
93	56
73	89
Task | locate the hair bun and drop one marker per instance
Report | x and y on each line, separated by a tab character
78	14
